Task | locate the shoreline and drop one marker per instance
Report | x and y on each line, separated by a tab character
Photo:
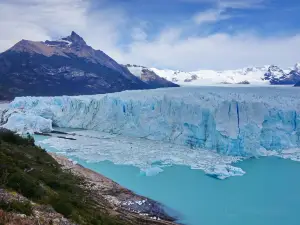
121	202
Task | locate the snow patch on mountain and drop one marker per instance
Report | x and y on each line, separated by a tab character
149	76
136	70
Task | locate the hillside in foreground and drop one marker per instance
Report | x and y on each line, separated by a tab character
36	189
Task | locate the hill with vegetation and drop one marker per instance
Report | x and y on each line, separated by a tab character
36	189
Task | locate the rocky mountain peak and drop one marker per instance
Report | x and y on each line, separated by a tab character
297	67
74	38
274	68
67	66
276	71
73	41
278	76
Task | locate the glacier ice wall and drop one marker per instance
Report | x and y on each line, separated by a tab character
24	123
233	121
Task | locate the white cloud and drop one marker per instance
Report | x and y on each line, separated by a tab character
40	20
220	51
138	34
241	4
210	16
237	4
220	12
105	28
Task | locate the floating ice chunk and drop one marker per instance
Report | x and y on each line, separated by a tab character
152	171
93	147
224	171
264	152
292	154
27	123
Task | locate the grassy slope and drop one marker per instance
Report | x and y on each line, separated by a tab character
30	171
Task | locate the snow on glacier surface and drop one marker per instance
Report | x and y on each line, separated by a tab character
232	121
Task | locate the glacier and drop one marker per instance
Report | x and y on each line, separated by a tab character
24	123
206	128
232	121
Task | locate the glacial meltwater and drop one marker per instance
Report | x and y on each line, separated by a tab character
268	194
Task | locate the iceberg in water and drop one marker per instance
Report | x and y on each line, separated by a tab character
151	157
152	171
232	121
223	171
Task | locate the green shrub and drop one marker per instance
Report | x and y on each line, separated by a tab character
26	185
10	137
63	207
17	206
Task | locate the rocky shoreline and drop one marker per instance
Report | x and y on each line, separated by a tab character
121	202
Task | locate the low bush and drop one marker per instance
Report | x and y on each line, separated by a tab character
17	206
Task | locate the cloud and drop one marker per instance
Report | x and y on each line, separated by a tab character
173	47
241	4
219	51
220	12
235	4
210	16
37	20
47	19
138	32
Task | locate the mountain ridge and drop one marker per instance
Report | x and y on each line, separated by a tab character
265	75
67	66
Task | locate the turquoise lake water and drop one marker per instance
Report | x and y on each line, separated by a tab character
269	193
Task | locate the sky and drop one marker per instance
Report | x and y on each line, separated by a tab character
183	35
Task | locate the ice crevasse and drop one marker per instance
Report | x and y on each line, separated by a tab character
232	121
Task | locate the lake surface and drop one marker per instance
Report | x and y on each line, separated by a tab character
269	193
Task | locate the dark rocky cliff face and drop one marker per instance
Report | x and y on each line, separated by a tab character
64	67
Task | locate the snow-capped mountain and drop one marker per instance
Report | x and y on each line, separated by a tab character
63	67
149	76
275	75
250	75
